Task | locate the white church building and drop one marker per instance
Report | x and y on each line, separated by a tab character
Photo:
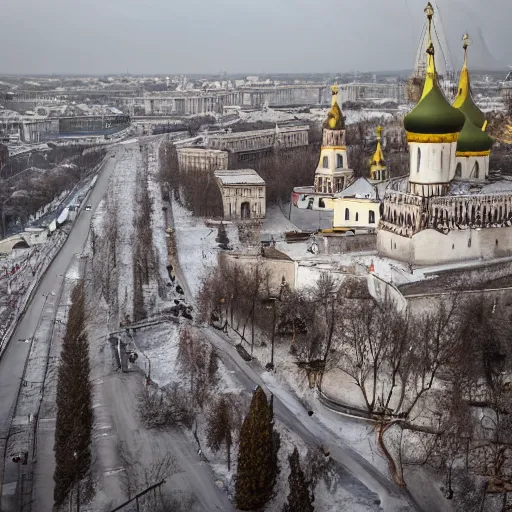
446	210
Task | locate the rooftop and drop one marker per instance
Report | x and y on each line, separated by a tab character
258	133
239	177
361	188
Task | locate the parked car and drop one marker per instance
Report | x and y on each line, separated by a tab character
88	208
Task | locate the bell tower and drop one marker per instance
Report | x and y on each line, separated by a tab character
332	174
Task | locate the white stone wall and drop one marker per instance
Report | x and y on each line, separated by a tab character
358	213
431	164
468	168
430	247
197	159
234	196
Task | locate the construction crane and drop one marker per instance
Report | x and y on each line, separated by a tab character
444	62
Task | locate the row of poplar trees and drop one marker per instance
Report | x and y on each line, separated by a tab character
258	464
73	428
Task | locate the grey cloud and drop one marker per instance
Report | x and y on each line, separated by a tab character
170	36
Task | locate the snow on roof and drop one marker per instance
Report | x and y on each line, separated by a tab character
361	188
239	177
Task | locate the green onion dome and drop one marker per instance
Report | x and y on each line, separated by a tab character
472	112
433	115
473	141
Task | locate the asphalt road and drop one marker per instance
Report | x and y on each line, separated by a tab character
14	358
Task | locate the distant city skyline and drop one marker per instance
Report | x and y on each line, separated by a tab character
289	36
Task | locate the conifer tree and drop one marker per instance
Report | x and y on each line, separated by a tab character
257	463
220	425
300	499
222	237
73	429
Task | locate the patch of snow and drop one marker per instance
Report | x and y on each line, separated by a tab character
197	248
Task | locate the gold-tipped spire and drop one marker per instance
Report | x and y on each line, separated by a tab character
334	91
464	90
431	77
378	156
335	120
464	102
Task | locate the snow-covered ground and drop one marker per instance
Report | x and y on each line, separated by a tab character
122	194
197	248
276	223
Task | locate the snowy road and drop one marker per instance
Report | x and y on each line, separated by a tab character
139	451
358	476
14	358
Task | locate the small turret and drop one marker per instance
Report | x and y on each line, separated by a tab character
378	168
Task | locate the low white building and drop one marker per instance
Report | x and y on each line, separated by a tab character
357	208
35	236
243	193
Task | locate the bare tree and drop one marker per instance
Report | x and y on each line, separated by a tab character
164	408
198	363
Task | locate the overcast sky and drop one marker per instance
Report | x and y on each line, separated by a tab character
258	36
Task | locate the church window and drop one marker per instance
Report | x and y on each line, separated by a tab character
469	242
325	162
458	170
339	161
321	203
347	214
357	216
476	171
442	158
371	217
418	160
